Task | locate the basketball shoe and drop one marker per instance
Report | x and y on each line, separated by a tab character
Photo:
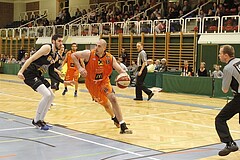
42	125
115	122
230	147
124	129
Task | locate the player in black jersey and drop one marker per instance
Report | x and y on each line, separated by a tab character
32	74
57	69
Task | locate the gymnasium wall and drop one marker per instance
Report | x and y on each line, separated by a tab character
6	12
208	53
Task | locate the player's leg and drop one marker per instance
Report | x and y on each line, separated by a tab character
97	96
42	116
75	78
116	109
67	78
43	104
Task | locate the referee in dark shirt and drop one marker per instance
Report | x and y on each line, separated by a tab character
231	78
141	74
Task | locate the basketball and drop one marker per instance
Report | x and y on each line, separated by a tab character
122	80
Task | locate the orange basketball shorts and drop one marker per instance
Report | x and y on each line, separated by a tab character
72	74
99	91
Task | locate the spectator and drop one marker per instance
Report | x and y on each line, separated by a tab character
3	58
202	14
186	69
33	50
24	59
186	8
133	71
124	56
160	27
132	68
150	65
119	61
78	13
217	73
163	65
11	59
21	53
157	65
202	72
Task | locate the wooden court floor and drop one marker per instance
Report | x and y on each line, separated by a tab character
169	122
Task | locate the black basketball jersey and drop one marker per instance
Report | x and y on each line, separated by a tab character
42	64
59	62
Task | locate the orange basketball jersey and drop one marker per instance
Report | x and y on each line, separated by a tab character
70	62
97	80
99	69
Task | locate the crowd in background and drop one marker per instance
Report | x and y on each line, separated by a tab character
122	11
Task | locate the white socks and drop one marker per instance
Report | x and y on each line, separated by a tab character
45	102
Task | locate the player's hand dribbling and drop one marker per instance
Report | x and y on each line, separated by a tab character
21	76
83	72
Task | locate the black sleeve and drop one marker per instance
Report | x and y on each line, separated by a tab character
53	74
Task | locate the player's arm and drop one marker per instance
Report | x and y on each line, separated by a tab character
58	71
117	67
81	55
65	60
44	50
55	76
82	62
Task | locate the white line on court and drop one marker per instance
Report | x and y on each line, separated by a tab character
31	99
14	129
188	123
126	117
149	115
103	145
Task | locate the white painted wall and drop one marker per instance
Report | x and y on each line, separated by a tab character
81	4
51	6
223	38
18	8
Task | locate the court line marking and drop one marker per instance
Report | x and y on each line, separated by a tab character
72	107
151	115
8	156
13	129
127	96
99	144
189	123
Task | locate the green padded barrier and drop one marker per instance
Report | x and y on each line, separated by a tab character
191	85
194	85
150	80
11	68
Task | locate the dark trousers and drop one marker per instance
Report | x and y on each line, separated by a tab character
228	111
140	84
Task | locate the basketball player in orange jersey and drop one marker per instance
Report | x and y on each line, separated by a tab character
98	68
72	72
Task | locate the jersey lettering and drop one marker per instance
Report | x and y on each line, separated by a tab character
99	76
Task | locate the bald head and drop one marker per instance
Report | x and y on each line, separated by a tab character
103	43
101	47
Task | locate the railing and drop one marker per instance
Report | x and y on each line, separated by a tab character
225	24
33	21
196	9
145	12
32	14
85	16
